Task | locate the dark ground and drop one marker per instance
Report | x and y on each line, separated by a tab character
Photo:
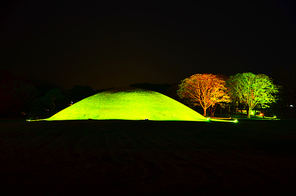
144	157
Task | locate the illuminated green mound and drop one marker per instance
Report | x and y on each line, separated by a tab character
136	104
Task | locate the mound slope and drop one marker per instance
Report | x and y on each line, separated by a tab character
132	104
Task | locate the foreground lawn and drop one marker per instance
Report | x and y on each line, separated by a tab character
147	157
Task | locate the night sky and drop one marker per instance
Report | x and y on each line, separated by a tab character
106	44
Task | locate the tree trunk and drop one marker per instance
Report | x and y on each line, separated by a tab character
212	110
248	111
53	106
241	112
205	112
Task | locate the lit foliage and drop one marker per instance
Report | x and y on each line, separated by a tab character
134	104
252	90
204	90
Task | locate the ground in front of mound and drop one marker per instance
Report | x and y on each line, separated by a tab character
144	158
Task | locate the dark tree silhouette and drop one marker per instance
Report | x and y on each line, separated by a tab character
16	96
286	105
78	93
161	88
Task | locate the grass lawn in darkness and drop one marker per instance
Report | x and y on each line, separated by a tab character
147	157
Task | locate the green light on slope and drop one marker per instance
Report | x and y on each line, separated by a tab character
223	120
136	104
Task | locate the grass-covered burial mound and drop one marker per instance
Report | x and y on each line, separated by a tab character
128	104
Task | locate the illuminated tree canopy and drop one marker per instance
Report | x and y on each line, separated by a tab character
204	90
252	90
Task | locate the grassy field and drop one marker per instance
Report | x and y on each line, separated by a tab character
147	157
128	104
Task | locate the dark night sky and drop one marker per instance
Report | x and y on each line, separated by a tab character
116	43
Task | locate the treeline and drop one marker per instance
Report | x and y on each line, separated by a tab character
25	98
34	99
279	100
161	88
243	93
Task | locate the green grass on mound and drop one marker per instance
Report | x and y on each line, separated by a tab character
136	104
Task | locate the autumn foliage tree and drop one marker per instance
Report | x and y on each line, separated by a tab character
252	90
204	90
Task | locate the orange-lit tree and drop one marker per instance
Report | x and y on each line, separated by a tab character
204	90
